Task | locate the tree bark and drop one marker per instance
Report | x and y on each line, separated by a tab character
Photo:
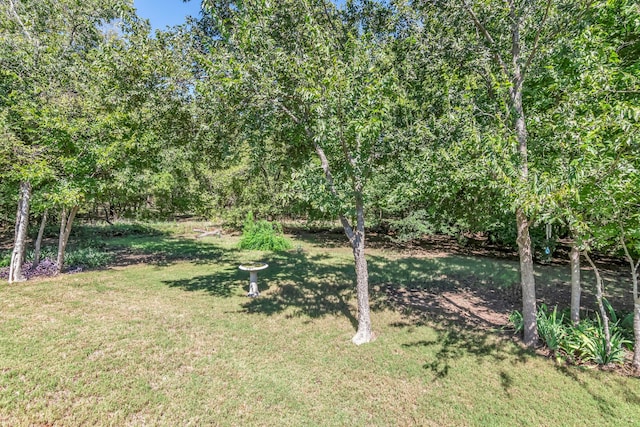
527	281
599	296
20	237
364	333
36	251
634	265
574	257
66	222
527	278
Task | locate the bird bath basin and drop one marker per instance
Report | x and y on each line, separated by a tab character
253	269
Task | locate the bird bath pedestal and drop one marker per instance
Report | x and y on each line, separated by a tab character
253	276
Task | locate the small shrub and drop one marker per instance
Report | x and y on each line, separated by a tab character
583	342
551	328
5	259
87	257
591	343
263	236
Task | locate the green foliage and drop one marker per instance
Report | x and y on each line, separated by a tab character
5	259
587	342
87	257
516	320
80	256
551	329
584	342
263	236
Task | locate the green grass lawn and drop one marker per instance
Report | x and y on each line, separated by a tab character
175	341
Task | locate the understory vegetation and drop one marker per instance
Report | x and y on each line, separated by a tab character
585	341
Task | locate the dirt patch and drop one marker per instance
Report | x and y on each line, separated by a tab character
474	308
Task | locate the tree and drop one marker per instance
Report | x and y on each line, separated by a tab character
590	114
513	37
315	81
43	80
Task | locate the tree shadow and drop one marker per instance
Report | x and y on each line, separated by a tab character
301	285
222	284
631	396
313	286
466	300
165	250
455	342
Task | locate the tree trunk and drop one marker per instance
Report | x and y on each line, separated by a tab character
636	321
364	333
603	312
527	278
66	222
634	265
20	237
36	251
527	281
574	257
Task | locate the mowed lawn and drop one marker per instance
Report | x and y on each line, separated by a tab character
173	340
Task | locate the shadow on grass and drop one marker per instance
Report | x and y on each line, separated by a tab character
164	250
455	342
630	395
313	286
221	284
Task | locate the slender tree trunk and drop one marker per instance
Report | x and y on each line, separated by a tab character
574	257
364	333
636	317
527	281
603	311
20	237
527	278
66	222
36	251
634	265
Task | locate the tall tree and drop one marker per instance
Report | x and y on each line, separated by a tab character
46	50
513	38
591	112
316	81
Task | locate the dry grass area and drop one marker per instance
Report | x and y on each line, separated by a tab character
175	341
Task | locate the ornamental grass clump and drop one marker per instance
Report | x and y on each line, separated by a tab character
263	236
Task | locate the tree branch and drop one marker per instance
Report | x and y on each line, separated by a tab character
324	161
24	29
492	44
536	40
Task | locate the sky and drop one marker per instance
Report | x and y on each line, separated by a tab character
163	13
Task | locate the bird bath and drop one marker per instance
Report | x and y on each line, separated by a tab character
253	276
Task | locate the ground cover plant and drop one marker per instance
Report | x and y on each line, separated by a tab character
166	336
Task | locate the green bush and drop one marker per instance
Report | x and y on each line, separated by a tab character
263	236
551	328
587	342
584	342
5	259
516	320
87	257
